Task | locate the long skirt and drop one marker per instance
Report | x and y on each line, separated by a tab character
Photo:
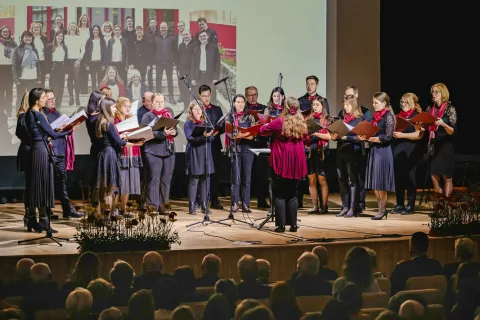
40	178
380	174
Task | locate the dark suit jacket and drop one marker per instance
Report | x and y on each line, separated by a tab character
213	63
421	266
252	290
310	286
324	274
124	43
59	145
306	104
41	296
184	57
214	114
140	112
158	146
149	279
88	52
140	53
164	49
17	288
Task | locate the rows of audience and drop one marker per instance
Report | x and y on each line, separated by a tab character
153	294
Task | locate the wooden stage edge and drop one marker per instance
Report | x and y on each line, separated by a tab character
389	238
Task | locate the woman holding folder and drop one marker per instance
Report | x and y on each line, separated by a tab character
287	162
318	151
440	142
240	151
109	176
130	159
198	156
380	173
350	149
159	156
407	152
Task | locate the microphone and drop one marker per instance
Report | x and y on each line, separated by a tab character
220	81
281	76
184	77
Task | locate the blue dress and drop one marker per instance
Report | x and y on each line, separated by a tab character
196	153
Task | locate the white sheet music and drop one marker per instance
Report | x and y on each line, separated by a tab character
348	126
134	108
61	120
260	150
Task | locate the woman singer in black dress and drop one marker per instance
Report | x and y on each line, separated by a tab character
242	156
198	157
441	147
407	152
39	174
380	174
276	103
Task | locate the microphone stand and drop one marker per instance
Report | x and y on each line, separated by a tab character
234	154
208	124
48	210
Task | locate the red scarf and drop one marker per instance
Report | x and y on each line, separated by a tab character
317	115
276	106
406	115
164	113
321	143
347	117
209	106
51	110
437	114
133	151
195	121
377	116
237	116
311	98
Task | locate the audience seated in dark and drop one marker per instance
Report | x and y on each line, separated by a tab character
152	265
308	283
465	250
388	315
86	269
141	306
419	266
166	296
79	305
183	313
23	281
102	293
357	268
334	310
244	306
187	285
111	313
283	302
351	299
263	271
413	310
43	294
258	313
217	308
249	287
121	277
396	301
468	292
324	273
11	313
210	269
373	259
228	288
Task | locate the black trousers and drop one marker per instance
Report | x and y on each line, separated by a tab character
242	176
405	177
122	72
362	170
6	88
168	67
261	168
96	73
60	180
347	171
159	178
286	203
197	183
57	81
73	79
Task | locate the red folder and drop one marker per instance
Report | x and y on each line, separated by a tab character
424	117
401	124
254	113
253	130
365	128
264	118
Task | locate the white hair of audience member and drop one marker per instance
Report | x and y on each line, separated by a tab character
40	273
133	72
79	303
465	249
411	309
152	261
23	267
111	314
308	264
211	264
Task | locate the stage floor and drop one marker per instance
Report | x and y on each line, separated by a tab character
327	227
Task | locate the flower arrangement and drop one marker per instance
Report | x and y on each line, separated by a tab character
136	230
455	215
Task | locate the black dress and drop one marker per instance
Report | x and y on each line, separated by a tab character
21	132
380	173
195	151
443	160
39	174
316	159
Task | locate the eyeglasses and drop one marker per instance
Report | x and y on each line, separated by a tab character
51	99
435	92
403	102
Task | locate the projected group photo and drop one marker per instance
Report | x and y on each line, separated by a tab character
76	50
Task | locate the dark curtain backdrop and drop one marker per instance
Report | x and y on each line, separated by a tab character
424	42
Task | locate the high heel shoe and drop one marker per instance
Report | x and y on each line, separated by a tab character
380	215
32	224
343	212
44	225
313	211
324	210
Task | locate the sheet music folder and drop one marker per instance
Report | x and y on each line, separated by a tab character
424	117
199	130
253	130
164	122
365	128
401	124
340	128
261	152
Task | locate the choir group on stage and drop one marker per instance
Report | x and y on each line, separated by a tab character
385	162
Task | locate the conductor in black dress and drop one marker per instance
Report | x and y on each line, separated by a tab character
198	157
59	160
205	67
407	152
214	114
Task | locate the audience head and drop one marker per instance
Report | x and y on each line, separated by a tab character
23	268
465	249
12	314
468	284
102	293
183	313
141	306
411	309
93	100
282	301
351	298
244	306
40	273
373	258
418	244
313	316
86	269
166	294
186	279
258	313
388	315
248	269
217	308
111	313
79	303
335	310
211	264
263	269
322	253
308	264
397	300
228	288
152	261
357	267
122	274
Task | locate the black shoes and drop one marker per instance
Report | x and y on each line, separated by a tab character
342	212
191	208
204	209
398	209
380	215
408	210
